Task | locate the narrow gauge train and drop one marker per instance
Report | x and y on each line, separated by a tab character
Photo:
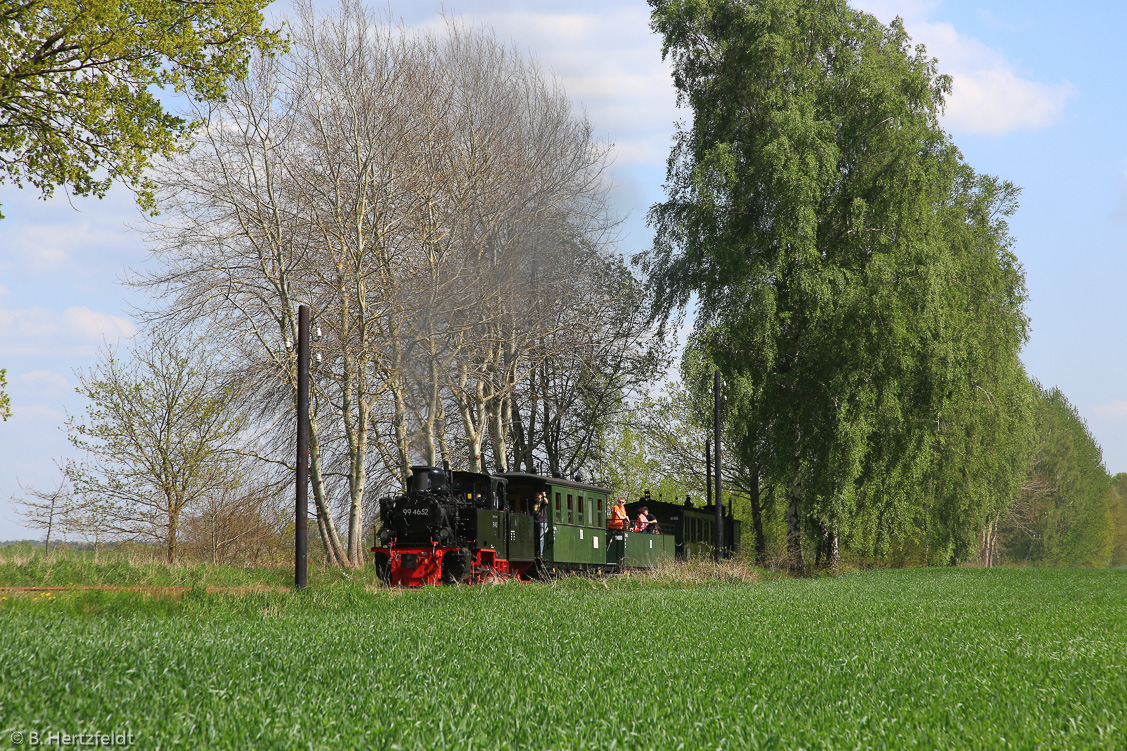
455	526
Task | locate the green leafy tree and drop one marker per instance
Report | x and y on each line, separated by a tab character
5	400
159	431
1067	514
971	405
741	440
815	211
658	446
626	469
79	83
1117	507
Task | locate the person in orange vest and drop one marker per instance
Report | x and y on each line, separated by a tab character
618	515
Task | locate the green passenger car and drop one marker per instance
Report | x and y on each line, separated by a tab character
692	528
640	549
576	538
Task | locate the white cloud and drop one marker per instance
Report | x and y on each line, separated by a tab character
989	94
1116	410
91	325
81	235
45	381
998	101
41	332
610	64
41	248
27	324
40	414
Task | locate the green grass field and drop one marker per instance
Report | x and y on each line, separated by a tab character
932	658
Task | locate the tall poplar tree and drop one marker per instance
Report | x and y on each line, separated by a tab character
818	212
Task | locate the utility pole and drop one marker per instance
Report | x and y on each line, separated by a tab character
301	505
707	472
719	535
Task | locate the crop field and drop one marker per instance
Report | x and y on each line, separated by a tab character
959	658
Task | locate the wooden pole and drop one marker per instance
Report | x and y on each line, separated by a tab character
719	535
707	472
301	505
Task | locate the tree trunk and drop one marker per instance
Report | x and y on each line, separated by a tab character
757	518
357	474
399	423
988	543
794	529
472	406
323	531
173	528
833	550
334	549
50	524
433	406
440	424
520	445
497	431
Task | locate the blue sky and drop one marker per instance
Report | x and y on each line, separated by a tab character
1040	98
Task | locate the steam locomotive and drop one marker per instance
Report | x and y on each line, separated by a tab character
455	527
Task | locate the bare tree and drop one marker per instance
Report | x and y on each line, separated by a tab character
242	522
46	509
529	216
429	196
599	358
89	516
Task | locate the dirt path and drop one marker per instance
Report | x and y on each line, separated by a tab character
177	592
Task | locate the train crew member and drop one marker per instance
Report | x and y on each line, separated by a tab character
618	517
540	510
